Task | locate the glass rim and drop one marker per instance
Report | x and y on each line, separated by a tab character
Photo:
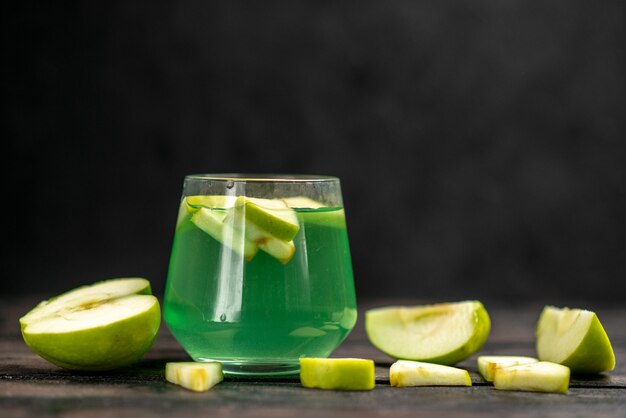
262	178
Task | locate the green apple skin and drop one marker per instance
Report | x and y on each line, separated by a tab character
279	221
593	355
283	251
213	224
482	323
110	346
475	343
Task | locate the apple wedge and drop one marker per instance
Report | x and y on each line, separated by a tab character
271	215
235	230
281	250
443	333
104	326
542	376
337	373
404	373
190	204
213	223
198	377
574	338
488	364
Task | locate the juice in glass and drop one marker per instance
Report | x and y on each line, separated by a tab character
253	309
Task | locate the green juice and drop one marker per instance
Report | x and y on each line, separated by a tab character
262	314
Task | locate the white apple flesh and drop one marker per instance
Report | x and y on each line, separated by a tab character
198	377
405	373
242	227
540	376
488	364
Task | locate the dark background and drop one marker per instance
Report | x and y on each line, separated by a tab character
480	143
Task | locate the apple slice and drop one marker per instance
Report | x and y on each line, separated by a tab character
210	201
541	376
574	338
271	215
107	289
302	202
190	204
198	377
281	250
488	364
443	333
104	326
235	231
213	223
337	373
404	373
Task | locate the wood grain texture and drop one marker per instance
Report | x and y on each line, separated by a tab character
30	386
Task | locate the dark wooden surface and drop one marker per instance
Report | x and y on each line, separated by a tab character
29	386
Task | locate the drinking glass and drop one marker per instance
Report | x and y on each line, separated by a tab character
260	273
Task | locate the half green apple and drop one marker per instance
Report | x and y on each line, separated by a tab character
574	338
444	333
103	326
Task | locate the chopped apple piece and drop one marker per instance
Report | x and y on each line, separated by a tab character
405	373
574	338
541	376
337	373
271	215
212	222
281	250
198	377
488	364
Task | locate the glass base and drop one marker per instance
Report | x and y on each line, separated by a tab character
239	368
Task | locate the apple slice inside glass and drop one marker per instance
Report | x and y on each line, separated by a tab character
271	215
198	377
488	364
213	223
